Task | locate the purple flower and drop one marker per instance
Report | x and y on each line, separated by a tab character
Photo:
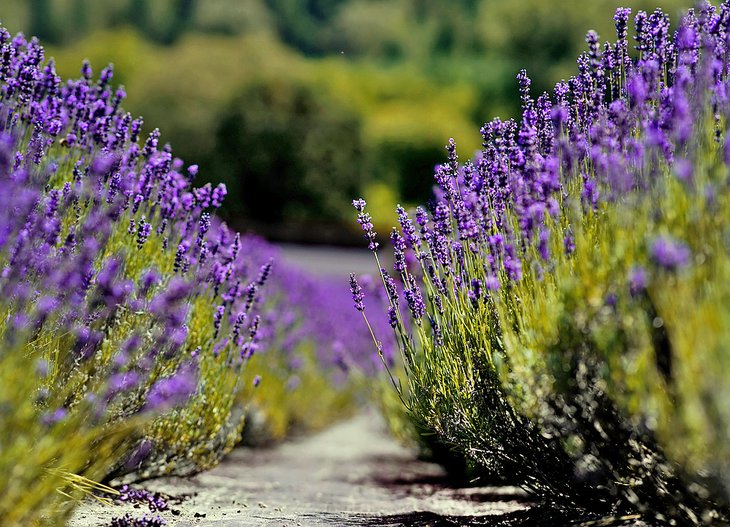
414	298
569	243
638	280
154	501
203	225
390	287
217	318
264	272
102	164
122	382
143	232
363	218
86	70
409	231
512	264
141	452
219	194
684	169
669	253
58	415
150	278
173	391
438	336
542	246
357	295
182	262
524	82
475	293
399	248
392	316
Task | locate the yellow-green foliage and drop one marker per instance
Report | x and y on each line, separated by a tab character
582	306
195	436
293	401
36	459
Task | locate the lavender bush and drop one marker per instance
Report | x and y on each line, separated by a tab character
128	310
135	335
566	290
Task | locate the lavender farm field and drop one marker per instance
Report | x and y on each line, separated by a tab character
534	329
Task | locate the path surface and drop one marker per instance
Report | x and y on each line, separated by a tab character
350	475
325	260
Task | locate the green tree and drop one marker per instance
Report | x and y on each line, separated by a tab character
42	21
182	15
139	15
286	153
80	16
302	23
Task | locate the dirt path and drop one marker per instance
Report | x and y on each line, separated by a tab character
350	475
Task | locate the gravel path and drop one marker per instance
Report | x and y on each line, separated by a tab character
350	475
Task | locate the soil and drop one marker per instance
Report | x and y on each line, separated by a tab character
352	474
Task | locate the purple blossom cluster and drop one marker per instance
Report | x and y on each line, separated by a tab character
155	502
101	228
627	113
669	253
145	521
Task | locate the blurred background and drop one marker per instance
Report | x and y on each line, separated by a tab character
299	106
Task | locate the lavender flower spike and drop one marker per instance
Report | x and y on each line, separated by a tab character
173	391
357	295
669	253
364	219
638	280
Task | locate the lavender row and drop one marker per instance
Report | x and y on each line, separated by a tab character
542	285
130	313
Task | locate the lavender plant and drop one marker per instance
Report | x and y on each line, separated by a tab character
566	288
128	311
